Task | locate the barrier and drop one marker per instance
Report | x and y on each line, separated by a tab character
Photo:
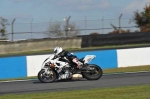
26	66
133	57
34	64
104	58
13	67
115	39
33	45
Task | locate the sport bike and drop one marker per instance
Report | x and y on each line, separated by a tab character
54	70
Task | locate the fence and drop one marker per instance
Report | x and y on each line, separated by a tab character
20	29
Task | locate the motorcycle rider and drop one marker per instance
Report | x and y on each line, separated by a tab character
62	54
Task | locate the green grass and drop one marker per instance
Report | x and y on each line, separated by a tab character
127	69
128	92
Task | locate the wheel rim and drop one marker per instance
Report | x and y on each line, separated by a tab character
47	77
94	72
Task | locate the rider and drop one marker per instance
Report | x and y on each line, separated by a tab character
59	52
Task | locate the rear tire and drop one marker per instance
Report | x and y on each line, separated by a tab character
94	74
47	78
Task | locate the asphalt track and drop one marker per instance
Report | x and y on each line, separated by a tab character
111	80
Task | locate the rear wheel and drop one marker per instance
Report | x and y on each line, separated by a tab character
94	72
47	77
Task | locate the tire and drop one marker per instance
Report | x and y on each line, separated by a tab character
47	78
93	74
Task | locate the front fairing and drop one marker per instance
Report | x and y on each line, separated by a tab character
47	60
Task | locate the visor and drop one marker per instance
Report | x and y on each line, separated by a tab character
55	51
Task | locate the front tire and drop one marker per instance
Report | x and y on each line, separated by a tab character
47	78
94	74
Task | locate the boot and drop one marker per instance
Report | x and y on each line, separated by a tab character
82	67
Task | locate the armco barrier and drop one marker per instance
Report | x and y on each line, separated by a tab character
26	66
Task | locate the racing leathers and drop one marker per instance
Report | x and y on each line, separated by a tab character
65	56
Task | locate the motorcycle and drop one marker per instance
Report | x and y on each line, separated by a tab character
53	70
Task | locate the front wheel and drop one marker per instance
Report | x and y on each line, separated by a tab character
93	73
47	77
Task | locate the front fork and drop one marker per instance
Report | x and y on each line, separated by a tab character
47	72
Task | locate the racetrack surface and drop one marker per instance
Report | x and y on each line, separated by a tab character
109	80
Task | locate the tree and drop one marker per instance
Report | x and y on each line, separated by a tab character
58	30
94	33
116	30
55	29
71	30
142	19
3	23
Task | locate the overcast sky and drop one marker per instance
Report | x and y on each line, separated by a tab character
44	10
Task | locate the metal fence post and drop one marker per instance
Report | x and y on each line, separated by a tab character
31	28
67	25
85	25
120	23
50	26
13	29
102	24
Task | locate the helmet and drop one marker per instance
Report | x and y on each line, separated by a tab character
57	50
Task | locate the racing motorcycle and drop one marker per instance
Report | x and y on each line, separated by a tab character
53	69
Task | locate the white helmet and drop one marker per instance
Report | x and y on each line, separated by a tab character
57	50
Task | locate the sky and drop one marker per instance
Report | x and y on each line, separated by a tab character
46	10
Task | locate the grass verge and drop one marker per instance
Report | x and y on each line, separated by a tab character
128	92
127	69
